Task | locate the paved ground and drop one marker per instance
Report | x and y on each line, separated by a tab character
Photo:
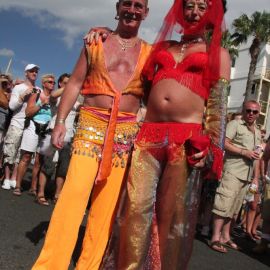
23	224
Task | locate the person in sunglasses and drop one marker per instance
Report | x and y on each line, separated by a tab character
17	104
38	115
241	168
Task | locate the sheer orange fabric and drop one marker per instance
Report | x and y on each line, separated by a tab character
98	81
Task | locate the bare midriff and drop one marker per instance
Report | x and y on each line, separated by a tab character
128	103
169	101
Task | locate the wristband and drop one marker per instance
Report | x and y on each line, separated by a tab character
60	121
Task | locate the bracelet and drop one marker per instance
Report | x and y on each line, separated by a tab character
60	121
241	152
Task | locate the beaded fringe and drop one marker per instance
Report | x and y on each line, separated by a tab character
90	136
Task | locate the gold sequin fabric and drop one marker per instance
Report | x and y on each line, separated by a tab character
215	124
155	227
216	112
91	134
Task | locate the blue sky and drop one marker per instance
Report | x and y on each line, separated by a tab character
31	43
49	33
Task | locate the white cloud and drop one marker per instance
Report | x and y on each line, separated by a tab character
6	52
74	18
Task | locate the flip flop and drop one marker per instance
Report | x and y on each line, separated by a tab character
32	192
217	246
55	199
256	236
230	244
250	237
17	191
42	201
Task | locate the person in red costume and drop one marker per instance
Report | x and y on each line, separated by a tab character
186	84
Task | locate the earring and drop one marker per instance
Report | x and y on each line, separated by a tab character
116	17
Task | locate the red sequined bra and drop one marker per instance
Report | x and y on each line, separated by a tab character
189	72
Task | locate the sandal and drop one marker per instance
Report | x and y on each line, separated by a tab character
55	199
42	201
17	191
218	246
250	237
32	192
256	236
230	244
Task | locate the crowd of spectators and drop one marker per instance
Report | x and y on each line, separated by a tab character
241	200
27	115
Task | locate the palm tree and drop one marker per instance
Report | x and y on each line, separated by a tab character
228	43
257	26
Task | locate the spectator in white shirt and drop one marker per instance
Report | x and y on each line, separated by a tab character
17	104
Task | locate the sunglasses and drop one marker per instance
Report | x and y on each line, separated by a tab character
51	82
33	70
252	111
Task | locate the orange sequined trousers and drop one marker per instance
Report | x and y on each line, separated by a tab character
70	209
158	221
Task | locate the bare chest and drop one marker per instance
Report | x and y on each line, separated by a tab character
120	65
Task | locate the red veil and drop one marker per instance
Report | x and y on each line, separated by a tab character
182	201
212	21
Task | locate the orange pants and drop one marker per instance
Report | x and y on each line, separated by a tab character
70	208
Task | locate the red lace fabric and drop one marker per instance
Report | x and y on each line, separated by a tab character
173	132
174	21
189	72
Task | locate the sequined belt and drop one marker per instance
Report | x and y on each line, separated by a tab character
91	135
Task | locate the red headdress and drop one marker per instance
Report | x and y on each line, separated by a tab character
175	21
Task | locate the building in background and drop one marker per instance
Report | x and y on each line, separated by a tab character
261	87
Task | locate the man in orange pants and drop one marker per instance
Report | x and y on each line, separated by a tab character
108	75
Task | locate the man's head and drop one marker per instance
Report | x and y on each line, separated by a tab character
236	116
63	79
48	82
251	111
31	72
5	82
131	12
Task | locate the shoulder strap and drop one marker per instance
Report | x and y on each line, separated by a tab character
38	95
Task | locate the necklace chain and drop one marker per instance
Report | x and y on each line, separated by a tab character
126	44
184	45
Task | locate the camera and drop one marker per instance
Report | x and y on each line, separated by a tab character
45	106
35	90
